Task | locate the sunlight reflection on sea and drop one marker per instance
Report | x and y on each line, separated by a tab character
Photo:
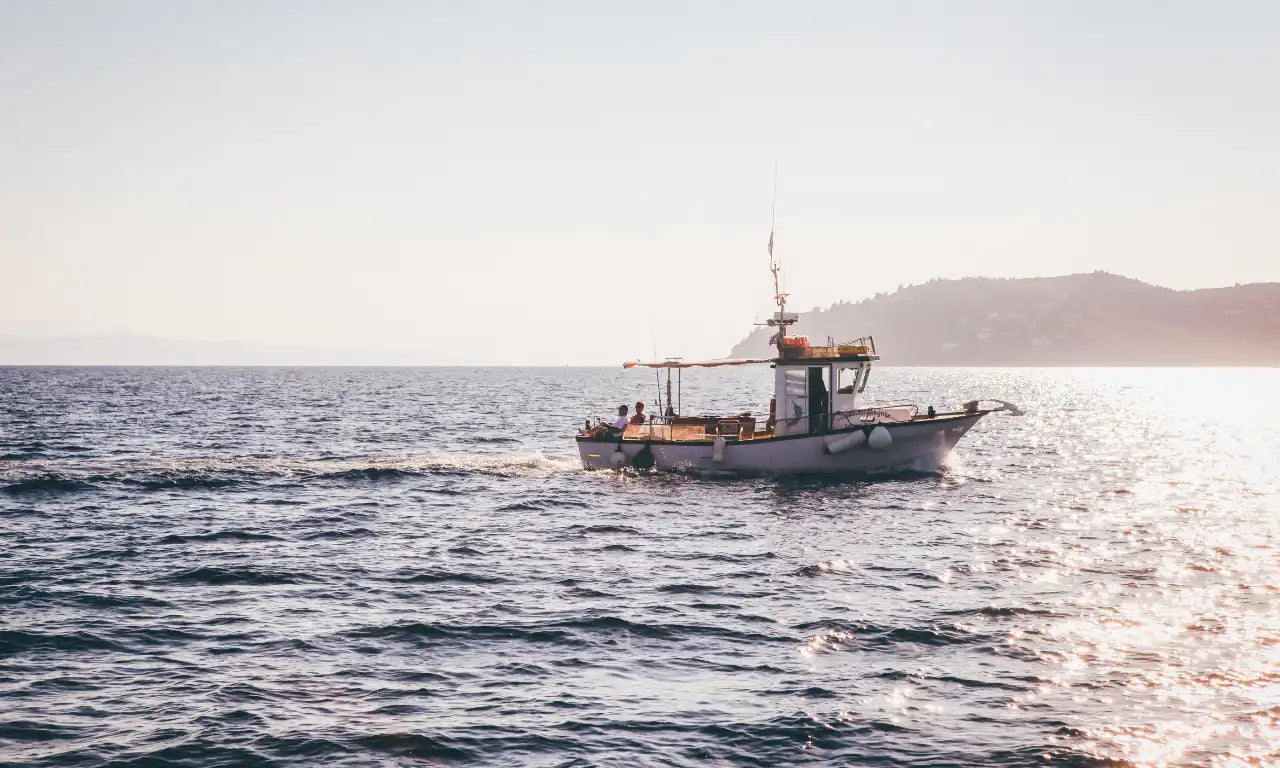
363	566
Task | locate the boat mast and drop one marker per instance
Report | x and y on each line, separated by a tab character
657	375
781	319
670	403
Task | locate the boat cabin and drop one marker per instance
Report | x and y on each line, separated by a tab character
816	390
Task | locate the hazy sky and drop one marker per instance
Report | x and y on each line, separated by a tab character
559	182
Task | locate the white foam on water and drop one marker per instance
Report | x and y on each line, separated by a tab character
534	464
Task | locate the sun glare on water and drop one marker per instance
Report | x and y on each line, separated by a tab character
1162	570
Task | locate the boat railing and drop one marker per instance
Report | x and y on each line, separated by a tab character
874	415
679	428
868	342
746	427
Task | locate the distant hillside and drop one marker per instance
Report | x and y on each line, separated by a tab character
1093	319
128	349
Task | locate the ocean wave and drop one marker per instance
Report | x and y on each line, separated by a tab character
1020	685
833	636
370	473
14	642
297	748
439	577
182	481
47	483
541	504
1001	611
419	747
746	742
231	535
27	476
214	576
967	682
351	533
825	567
567	632
21	512
165	637
195	752
589	529
590	593
688	589
28	730
734	557
29	595
497	465
416	632
18	577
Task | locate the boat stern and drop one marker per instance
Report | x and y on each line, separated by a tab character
601	453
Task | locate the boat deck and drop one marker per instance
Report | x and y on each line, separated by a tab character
704	429
681	429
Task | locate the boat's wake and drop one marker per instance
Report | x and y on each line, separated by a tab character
68	475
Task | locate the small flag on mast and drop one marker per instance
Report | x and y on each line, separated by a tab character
771	242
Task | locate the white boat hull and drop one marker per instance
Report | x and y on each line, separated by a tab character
916	445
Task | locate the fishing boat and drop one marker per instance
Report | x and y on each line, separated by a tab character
819	420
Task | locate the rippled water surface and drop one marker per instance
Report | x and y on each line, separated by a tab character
408	566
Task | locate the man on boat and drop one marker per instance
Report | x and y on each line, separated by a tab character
614	428
638	418
620	423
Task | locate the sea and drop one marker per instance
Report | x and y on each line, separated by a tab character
409	566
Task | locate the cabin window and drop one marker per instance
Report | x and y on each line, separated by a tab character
796	392
848	380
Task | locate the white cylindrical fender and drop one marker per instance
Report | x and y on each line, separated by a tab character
842	443
617	459
717	448
879	439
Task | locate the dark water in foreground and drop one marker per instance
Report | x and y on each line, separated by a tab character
406	566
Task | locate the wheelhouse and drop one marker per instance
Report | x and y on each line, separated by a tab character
819	388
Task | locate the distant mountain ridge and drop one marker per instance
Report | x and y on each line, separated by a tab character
1086	319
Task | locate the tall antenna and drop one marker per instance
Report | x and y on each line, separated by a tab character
781	319
773	211
773	228
657	377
